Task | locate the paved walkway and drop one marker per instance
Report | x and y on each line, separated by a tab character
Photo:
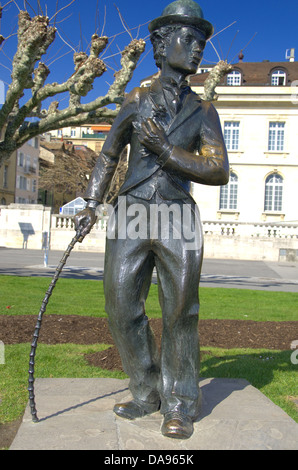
258	275
76	414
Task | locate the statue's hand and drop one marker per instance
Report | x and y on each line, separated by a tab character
84	222
153	137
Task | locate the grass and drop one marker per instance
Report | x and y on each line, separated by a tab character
269	371
23	296
66	360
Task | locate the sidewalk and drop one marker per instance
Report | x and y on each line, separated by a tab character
76	414
239	274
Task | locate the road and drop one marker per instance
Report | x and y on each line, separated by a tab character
259	275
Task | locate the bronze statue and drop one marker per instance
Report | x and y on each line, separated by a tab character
175	138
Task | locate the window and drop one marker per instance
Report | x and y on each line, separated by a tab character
22	182
276	136
229	194
20	159
202	70
231	135
33	142
278	78
73	132
28	163
234	78
22	200
34	165
273	193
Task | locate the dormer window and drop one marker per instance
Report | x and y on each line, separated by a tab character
278	78
234	78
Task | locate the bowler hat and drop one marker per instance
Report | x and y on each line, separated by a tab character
185	12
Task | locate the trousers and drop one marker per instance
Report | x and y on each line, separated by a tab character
165	235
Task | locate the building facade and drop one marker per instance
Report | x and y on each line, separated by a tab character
258	109
27	172
92	136
8	180
19	175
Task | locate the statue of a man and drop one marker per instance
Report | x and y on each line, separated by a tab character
175	138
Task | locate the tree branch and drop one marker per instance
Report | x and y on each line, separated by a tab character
215	77
35	35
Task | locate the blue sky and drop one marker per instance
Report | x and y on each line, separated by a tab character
274	22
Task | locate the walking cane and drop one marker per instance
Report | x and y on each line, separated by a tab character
77	238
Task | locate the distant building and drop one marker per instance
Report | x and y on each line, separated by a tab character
27	172
19	175
8	181
92	136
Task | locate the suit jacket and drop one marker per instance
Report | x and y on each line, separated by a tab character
198	154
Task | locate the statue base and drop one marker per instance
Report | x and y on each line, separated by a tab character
76	414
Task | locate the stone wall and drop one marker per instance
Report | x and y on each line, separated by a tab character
31	226
24	226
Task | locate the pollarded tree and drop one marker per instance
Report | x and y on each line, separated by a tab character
31	107
23	117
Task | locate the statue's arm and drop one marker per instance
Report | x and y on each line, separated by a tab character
209	165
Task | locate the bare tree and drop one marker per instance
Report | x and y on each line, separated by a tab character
70	171
214	78
221	69
31	106
29	74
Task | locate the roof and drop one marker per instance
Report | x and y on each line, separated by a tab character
254	73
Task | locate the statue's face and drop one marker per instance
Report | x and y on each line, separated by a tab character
185	51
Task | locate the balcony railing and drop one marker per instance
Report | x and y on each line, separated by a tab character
250	229
219	228
97	135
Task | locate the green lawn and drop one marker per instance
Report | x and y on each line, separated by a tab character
85	297
270	371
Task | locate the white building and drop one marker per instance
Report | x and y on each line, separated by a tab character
258	110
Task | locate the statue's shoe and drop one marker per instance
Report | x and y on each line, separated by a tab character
177	425
135	409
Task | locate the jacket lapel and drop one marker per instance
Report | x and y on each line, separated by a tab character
191	104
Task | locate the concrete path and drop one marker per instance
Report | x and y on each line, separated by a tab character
76	414
257	275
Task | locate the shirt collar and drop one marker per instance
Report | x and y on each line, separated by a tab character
169	82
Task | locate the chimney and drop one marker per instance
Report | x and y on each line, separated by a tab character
290	55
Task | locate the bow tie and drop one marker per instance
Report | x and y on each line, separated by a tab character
170	85
177	92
